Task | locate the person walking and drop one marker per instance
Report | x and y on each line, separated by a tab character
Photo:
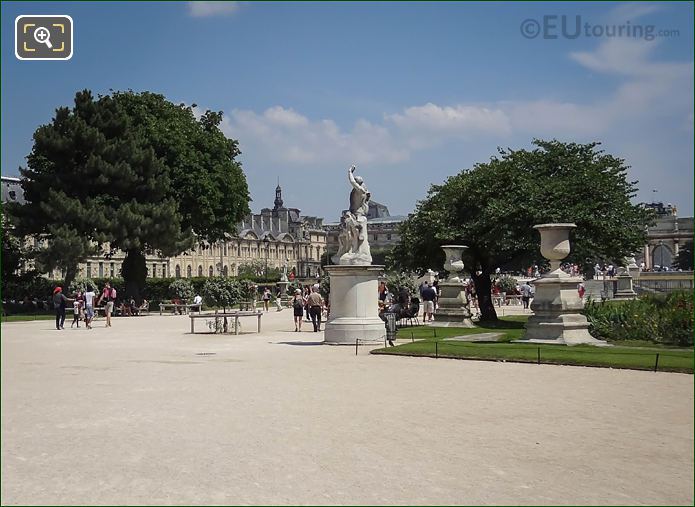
76	309
278	301
526	292
108	295
307	292
266	299
298	307
59	304
428	295
89	297
581	290
315	302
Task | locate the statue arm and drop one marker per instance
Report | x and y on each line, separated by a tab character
351	177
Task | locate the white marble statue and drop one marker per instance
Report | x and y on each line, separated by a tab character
283	278
353	239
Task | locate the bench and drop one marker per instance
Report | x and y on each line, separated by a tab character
235	315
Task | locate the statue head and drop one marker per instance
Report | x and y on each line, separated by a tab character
359	179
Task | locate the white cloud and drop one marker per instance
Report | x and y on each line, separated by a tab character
630	11
457	120
647	90
205	9
285	136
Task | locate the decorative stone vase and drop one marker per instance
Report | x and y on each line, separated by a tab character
557	308
555	242
453	263
453	305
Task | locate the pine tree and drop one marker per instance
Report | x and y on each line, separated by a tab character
130	172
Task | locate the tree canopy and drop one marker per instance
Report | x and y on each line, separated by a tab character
493	207
684	260
133	172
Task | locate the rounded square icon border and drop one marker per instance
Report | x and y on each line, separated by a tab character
72	37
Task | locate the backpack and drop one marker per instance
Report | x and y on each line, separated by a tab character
298	303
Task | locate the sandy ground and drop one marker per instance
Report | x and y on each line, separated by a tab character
133	415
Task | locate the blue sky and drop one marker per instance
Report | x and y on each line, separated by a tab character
410	92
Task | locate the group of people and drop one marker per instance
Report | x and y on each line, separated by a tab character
83	305
310	302
405	305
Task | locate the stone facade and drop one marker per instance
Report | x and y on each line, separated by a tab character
665	237
275	236
382	228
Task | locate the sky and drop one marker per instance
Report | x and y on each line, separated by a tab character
411	93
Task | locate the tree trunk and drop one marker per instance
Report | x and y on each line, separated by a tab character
134	271
483	291
70	273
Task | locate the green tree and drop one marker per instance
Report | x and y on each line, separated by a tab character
131	172
13	252
684	260
398	280
493	207
224	292
182	289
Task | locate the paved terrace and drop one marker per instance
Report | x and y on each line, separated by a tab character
134	415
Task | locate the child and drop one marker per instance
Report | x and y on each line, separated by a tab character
76	308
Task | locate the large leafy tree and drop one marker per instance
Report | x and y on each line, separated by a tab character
684	260
493	207
131	172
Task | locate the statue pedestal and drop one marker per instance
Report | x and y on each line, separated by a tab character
453	305
624	288
557	315
354	305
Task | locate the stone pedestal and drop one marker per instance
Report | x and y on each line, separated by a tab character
354	305
453	305
557	318
624	288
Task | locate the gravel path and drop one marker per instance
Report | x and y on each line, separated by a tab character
132	414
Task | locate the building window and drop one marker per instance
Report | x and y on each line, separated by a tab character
376	237
200	270
189	271
226	271
388	237
89	270
164	270
112	269
225	249
211	272
101	270
178	271
154	271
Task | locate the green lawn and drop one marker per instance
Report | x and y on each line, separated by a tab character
19	318
421	341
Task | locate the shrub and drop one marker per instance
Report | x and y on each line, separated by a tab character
507	284
395	281
182	289
81	284
656	318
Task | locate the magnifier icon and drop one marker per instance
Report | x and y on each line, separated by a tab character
43	36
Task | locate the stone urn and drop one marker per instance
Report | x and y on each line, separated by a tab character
555	242
453	263
557	308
